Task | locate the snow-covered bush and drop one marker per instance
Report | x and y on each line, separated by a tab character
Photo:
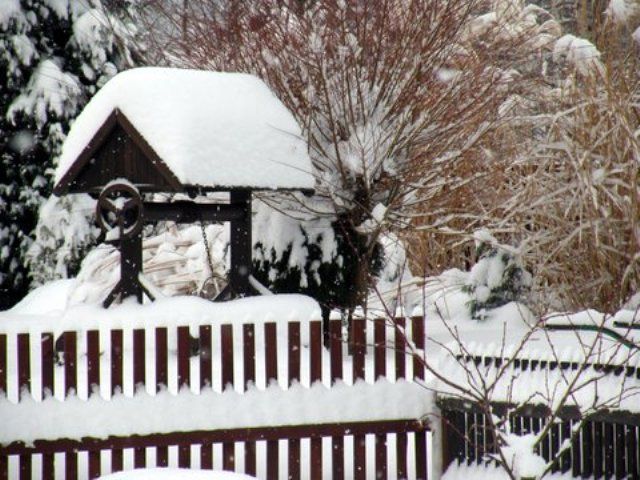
497	278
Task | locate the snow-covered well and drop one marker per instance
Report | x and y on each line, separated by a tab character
211	129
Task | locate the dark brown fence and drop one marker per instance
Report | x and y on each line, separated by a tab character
605	445
222	355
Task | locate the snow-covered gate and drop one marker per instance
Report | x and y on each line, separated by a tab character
607	445
77	404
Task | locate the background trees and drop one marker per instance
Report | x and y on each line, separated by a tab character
53	57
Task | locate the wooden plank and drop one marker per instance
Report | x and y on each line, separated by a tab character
598	449
335	348
226	335
620	451
316	459
184	455
184	353
249	354
206	456
417	335
116	361
381	457
609	463
71	465
24	364
293	352
576	453
162	456
139	359
401	455
400	347
632	451
3	370
565	461
360	457
380	348
93	361
315	351
294	458
116	460
359	347
586	469
421	455
25	467
337	457
70	360
272	459
140	457
94	464
228	456
205	356
162	351
46	362
47	467
250	457
270	353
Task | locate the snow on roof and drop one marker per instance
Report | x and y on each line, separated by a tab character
212	129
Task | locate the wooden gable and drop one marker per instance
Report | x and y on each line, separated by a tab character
117	151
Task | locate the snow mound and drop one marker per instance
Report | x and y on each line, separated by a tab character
174	474
212	129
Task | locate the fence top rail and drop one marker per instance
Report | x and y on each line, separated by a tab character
380	427
168	312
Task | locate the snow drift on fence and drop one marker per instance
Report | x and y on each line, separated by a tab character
165	413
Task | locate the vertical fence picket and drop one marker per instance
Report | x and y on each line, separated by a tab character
421	455
46	361
226	351
117	373
116	460
162	354
315	351
70	362
183	357
204	352
206	456
417	335
294	458
401	454
184	456
25	467
598	449
337	457
47	466
272	459
249	354
293	352
400	347
94	463
360	457
609	464
250	458
139	359
381	456
3	379
71	465
93	361
359	347
139	457
270	353
586	465
620	451
316	458
335	346
228	456
24	364
380	348
632	451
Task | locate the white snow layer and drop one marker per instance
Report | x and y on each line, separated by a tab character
145	414
164	312
174	474
210	128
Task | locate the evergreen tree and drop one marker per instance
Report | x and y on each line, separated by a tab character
53	56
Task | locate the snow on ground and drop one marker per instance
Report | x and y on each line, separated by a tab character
174	474
179	112
489	472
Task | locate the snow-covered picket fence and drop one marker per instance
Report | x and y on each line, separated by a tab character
247	386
